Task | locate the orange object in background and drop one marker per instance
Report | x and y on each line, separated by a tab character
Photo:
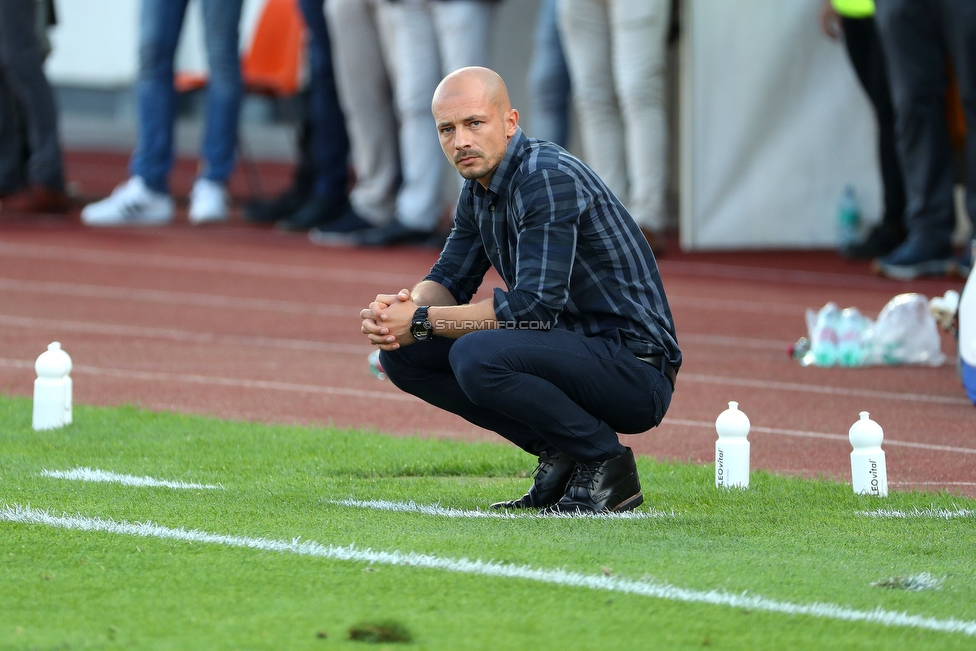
955	116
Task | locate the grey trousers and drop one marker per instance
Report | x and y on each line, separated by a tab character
919	38
28	115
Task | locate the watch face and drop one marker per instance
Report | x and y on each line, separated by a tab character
420	327
421	330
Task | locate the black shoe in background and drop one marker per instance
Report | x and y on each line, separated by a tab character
268	211
551	476
881	240
601	487
393	234
316	212
340	231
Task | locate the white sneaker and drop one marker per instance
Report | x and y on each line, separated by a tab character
209	202
131	204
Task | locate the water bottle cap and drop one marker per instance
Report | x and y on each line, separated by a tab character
865	433
732	423
54	363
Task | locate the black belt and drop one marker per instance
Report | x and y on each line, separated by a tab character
661	363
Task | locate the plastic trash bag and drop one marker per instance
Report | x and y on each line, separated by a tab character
904	333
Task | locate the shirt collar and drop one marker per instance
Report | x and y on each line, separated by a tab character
509	163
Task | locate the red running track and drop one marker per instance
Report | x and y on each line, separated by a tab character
248	323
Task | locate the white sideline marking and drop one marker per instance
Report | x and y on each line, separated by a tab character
835	437
27	515
96	475
435	509
180	335
942	514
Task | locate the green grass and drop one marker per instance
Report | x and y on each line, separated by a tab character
784	539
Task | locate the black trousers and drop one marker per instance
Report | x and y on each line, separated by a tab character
867	58
918	36
545	391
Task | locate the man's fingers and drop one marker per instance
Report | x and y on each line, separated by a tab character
383	340
371	327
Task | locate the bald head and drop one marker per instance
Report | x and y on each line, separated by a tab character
473	82
475	120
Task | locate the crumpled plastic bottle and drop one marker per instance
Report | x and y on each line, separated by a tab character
824	337
851	328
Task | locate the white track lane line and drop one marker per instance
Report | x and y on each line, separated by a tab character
104	476
438	510
213	265
831	437
138	332
26	515
209	265
175	298
814	388
391	394
12	321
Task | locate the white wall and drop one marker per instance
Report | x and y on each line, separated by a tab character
96	41
774	126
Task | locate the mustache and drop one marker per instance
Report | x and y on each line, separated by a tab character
468	153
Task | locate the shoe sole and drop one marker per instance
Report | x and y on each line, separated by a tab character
911	272
127	223
629	504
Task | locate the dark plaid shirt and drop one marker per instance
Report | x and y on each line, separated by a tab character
569	252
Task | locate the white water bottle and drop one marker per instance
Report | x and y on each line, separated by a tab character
52	389
732	448
869	473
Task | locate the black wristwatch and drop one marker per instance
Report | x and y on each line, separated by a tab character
420	327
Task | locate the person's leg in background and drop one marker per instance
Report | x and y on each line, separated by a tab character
585	29
358	36
209	200
417	73
959	25
867	58
464	30
915	51
144	199
329	144
12	145
286	204
548	80
23	64
639	38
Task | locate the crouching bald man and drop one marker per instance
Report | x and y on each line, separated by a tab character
579	347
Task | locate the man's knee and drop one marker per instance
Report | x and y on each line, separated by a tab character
471	359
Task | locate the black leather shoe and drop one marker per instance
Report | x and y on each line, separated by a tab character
316	211
269	211
881	240
601	487
551	477
392	234
341	231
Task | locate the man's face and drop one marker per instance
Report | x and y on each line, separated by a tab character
474	133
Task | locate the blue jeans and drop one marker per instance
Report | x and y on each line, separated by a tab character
548	80
159	32
545	391
329	143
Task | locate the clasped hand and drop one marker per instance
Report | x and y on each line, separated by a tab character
386	322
